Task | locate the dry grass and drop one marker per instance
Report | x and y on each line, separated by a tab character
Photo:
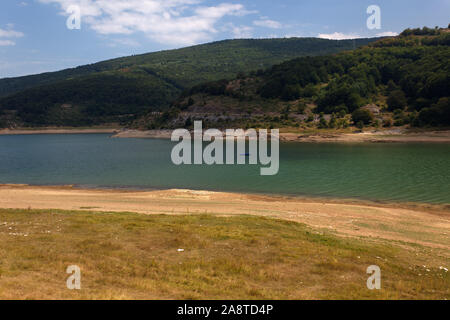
133	256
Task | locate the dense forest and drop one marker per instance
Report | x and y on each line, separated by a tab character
406	78
78	102
122	89
394	81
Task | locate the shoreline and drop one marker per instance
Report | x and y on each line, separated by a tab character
403	204
383	136
369	136
30	131
374	136
422	224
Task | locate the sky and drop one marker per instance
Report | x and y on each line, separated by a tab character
41	35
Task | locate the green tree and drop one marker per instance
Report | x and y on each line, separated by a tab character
333	122
437	115
354	101
309	91
391	86
396	100
362	115
322	122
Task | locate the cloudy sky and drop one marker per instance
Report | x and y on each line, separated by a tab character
34	36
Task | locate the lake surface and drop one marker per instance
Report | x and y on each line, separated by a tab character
385	172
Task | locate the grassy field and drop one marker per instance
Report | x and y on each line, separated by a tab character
127	255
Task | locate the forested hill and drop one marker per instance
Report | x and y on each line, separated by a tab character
201	63
402	81
122	89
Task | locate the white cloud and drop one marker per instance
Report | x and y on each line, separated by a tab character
338	36
267	23
387	34
173	22
7	43
242	32
9	33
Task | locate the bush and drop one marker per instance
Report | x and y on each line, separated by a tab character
301	108
310	91
362	115
387	123
396	100
323	123
291	92
437	115
333	122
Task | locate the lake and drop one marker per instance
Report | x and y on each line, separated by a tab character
381	172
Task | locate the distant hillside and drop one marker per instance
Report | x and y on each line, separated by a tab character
120	90
396	81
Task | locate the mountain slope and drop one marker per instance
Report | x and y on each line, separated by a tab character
37	100
402	80
192	65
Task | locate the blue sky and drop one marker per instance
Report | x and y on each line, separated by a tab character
34	37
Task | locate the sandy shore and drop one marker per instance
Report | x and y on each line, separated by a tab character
382	136
421	224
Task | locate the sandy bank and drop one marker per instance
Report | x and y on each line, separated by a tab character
382	136
424	225
149	134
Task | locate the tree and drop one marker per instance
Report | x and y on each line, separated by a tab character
396	100
354	101
391	86
437	115
323	123
362	115
291	92
309	91
333	122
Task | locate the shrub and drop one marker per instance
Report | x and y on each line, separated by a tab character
387	123
362	115
396	100
437	115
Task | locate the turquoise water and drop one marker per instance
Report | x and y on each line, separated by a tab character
384	172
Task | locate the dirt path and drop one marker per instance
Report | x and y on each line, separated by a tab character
427	226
